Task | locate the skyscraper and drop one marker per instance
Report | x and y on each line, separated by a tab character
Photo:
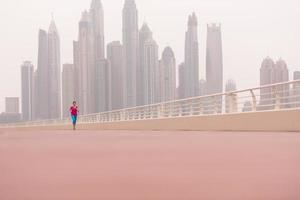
98	26
89	52
181	89
77	75
214	63
85	64
167	74
68	90
151	73
35	96
103	86
115	55
191	60
281	72
271	73
130	42
266	77
214	59
54	72
42	79
27	90
145	34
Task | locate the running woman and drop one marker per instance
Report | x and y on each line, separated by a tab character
74	112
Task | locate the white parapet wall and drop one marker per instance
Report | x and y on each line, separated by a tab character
272	121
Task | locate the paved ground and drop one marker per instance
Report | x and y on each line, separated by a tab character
89	165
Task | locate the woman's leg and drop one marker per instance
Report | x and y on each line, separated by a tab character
74	121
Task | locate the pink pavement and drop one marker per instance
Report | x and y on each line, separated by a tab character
128	165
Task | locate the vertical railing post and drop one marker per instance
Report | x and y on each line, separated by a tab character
159	111
215	102
254	101
122	115
232	103
277	98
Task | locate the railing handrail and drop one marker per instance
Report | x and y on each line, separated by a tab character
182	103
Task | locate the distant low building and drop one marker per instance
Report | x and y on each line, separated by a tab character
12	105
6	118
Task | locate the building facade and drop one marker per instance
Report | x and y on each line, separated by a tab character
271	73
151	73
103	86
145	34
54	72
88	52
68	89
41	83
86	65
27	71
214	59
131	51
167	75
115	56
181	77
191	60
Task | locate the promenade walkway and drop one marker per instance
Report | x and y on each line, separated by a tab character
135	165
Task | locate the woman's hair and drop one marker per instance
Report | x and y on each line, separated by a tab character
74	102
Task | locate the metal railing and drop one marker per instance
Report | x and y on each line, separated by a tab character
280	96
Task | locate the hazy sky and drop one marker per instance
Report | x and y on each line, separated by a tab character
252	30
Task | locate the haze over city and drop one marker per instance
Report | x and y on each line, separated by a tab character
251	31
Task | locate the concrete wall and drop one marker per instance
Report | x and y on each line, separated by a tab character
288	120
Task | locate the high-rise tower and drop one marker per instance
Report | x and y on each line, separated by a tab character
181	77
214	59
271	73
68	90
103	86
145	34
85	64
27	91
115	55
89	52
266	78
151	73
54	72
42	78
97	16
167	69
191	61
130	42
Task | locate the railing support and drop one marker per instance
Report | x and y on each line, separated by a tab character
254	101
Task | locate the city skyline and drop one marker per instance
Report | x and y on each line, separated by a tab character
178	56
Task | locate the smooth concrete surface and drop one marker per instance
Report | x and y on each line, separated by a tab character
284	120
149	165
